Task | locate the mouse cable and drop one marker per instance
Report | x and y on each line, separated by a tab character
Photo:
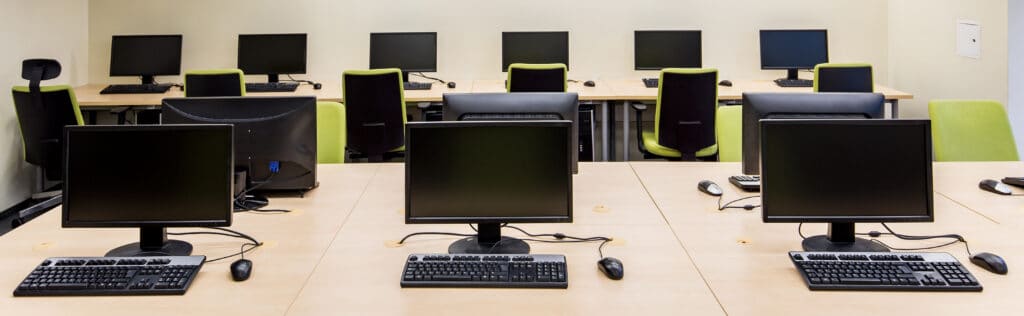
891	232
290	78
728	205
560	238
421	75
239	201
253	243
402	241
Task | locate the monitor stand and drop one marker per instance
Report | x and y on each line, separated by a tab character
152	242
841	238
489	241
147	79
273	78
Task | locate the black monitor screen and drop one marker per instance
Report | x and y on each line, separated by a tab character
489	172
534	48
145	55
846	170
121	176
272	54
793	49
410	52
656	50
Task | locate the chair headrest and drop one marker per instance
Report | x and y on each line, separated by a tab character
46	68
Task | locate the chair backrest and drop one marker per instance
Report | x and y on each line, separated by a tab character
971	130
42	126
537	78
330	132
685	113
729	127
215	83
843	78
375	112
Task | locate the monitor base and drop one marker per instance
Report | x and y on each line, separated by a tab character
822	243
170	248
507	245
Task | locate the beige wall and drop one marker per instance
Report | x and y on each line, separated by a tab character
469	30
922	51
33	29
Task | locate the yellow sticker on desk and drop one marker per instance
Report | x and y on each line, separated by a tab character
392	244
602	209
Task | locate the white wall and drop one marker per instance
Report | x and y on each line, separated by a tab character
1016	70
469	30
922	51
35	29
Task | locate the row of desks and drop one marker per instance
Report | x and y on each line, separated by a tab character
336	253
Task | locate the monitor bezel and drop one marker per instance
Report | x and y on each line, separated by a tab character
305	52
761	47
504	56
410	158
405	70
636	48
926	159
66	220
113	59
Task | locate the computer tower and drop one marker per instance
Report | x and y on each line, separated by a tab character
586	132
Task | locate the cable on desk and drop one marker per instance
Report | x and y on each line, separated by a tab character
253	243
421	75
875	234
290	78
728	205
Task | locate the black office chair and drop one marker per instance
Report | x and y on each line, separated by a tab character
375	113
537	78
843	78
215	83
684	117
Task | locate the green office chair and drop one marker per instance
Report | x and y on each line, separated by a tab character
42	114
684	116
971	130
843	78
330	132
215	83
537	78
729	127
375	114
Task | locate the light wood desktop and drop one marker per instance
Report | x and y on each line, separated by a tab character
335	254
959	181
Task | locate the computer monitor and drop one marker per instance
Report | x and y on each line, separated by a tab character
272	54
534	48
145	55
793	50
410	52
488	173
758	106
657	50
275	137
172	176
846	171
516	107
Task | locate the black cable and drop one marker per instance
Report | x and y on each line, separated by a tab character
421	75
229	233
560	239
800	230
290	78
728	205
433	233
891	232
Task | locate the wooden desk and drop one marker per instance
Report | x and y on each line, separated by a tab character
628	90
744	260
959	181
89	96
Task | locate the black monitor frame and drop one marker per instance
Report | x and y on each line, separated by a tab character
488	239
259	68
511	106
375	63
152	234
841	233
147	76
792	71
758	106
639	49
562	56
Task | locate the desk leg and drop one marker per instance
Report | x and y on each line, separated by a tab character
606	151
895	108
91	117
625	130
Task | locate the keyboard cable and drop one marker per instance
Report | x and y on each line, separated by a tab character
253	243
875	234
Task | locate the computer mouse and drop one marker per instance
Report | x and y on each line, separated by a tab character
241	269
725	83
991	262
317	86
451	85
611	267
710	188
589	83
995	187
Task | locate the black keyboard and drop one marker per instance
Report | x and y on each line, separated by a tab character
417	85
135	88
746	183
650	82
495	271
794	83
890	271
79	276
271	87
